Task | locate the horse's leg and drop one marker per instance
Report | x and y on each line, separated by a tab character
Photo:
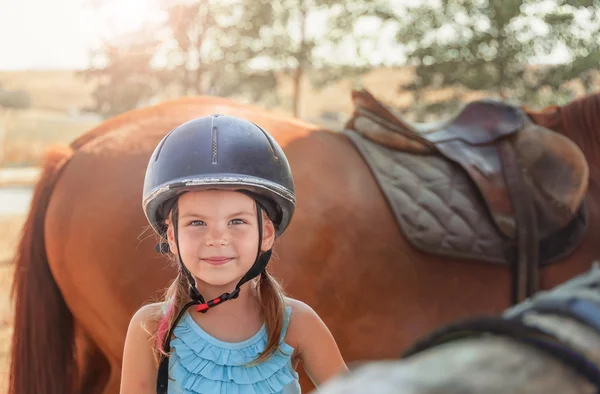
94	369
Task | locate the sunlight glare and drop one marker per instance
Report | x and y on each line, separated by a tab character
118	18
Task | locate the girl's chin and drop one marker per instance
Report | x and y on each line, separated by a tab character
227	282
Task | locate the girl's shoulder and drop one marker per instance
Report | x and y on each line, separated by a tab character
303	321
313	343
298	308
139	364
147	318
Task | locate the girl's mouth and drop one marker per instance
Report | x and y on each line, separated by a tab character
218	260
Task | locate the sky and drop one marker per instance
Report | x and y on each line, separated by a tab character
54	36
60	34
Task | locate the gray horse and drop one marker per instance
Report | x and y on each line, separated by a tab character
548	344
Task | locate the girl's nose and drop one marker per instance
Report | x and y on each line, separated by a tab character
216	236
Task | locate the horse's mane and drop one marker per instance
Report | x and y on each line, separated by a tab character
578	120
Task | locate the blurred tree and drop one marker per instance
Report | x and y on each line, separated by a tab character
225	48
210	48
491	45
123	76
14	99
11	101
337	51
577	24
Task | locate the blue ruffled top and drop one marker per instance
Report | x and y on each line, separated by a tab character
202	364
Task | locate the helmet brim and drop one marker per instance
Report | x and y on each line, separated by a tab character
280	196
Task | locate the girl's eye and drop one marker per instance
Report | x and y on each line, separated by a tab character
197	223
237	221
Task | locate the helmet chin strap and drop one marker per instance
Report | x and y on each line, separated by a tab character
262	258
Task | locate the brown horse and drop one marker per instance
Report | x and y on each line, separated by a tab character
84	265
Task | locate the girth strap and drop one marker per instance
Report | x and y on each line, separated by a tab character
525	268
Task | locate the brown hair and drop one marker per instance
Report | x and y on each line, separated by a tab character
271	297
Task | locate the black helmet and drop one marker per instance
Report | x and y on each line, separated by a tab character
219	152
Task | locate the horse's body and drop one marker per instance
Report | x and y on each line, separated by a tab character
343	254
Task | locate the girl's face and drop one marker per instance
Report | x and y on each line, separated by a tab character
218	235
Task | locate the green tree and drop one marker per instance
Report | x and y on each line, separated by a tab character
319	56
578	28
490	45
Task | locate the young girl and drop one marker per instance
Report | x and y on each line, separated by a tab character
219	190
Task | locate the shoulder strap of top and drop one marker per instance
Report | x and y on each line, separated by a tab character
286	321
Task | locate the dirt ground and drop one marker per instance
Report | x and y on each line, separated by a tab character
10	226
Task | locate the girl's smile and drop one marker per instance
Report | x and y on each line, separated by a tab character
217	260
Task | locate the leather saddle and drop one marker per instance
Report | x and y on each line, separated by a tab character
532	180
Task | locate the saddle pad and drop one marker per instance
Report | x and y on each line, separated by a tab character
441	211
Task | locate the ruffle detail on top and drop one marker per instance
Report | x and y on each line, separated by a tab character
202	364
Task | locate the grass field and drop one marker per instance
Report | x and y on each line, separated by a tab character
59	90
31	132
9	233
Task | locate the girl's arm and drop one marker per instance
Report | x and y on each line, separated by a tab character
139	371
317	348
